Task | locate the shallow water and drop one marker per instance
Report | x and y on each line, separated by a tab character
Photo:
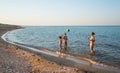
107	44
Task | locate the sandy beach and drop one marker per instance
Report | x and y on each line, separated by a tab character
16	59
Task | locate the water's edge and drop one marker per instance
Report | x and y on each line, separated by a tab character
79	60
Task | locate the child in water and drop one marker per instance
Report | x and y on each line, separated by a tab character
60	43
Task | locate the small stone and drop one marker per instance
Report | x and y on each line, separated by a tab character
16	48
38	59
33	55
23	53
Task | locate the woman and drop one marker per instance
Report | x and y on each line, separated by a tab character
92	40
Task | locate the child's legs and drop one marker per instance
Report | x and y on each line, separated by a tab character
60	47
65	45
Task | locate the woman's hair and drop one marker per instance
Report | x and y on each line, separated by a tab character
92	33
60	37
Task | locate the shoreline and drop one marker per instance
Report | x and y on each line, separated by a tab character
15	59
81	68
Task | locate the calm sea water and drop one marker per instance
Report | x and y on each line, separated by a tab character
107	44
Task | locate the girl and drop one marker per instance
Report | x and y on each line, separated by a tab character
60	43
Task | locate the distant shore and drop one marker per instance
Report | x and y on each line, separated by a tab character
18	59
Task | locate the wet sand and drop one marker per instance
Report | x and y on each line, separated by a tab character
17	59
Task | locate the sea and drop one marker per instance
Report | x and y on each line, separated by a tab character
106	47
